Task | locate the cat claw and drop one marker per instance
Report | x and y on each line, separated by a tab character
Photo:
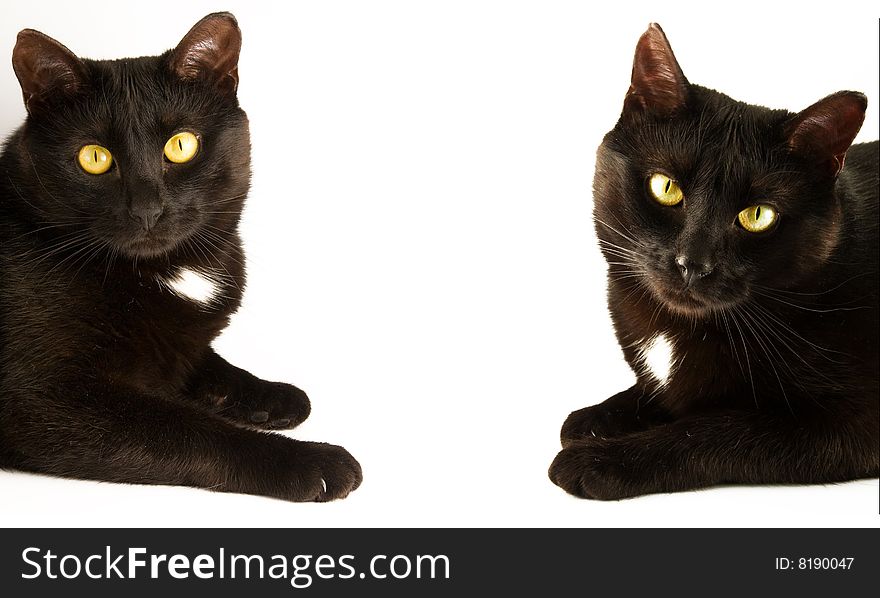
323	484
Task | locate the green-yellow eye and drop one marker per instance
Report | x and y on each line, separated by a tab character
95	159
665	190
181	147
759	218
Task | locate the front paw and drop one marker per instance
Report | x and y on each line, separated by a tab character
593	469
321	472
266	405
618	416
597	421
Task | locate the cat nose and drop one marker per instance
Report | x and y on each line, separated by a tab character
692	271
146	215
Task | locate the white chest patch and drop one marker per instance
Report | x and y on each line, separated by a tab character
201	286
658	357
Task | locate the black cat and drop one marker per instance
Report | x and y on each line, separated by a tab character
120	262
743	275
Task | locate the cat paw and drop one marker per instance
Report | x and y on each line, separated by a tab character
620	415
265	405
321	472
596	422
590	470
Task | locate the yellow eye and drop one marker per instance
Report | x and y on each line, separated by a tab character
181	147
756	219
95	159
665	190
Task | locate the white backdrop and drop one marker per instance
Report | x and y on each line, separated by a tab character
419	243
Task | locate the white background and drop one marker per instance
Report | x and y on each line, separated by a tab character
420	250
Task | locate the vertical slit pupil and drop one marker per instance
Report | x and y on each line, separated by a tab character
96	155
180	143
758	213
668	185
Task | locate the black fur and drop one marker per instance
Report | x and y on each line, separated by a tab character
104	372
775	378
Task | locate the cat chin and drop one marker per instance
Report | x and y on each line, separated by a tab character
685	304
146	248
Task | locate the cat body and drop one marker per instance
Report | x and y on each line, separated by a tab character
120	265
742	245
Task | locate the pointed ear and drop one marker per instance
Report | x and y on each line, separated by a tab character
209	52
46	70
824	131
658	85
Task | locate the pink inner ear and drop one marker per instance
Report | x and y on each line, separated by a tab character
825	130
657	83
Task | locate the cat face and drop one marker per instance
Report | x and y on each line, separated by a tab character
142	155
705	201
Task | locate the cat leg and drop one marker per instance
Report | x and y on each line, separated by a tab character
830	444
627	411
116	435
239	396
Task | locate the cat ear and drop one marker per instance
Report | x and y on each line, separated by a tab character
45	69
824	131
657	85
210	52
